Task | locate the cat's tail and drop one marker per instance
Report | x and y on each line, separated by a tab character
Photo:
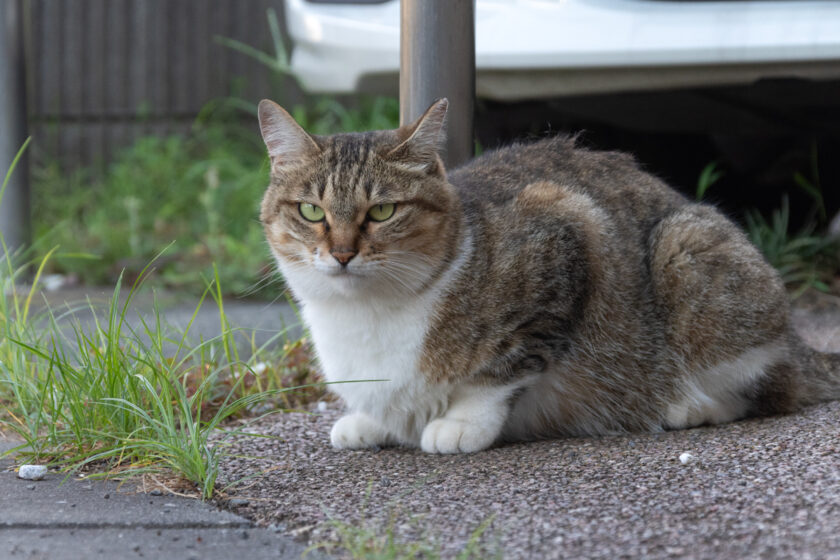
821	377
803	378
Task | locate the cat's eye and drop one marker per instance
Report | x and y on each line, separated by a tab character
311	212
381	212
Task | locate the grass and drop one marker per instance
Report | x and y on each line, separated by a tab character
382	543
376	541
198	193
804	258
127	396
710	175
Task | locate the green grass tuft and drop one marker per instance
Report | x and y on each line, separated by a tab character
129	399
804	259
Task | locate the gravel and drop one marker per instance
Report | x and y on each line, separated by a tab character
760	488
32	472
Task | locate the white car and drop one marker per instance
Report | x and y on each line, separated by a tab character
534	49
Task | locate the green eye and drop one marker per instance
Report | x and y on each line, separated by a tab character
311	212
381	212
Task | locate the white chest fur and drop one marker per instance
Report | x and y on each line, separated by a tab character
370	351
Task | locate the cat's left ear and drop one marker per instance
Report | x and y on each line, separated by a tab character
420	151
286	141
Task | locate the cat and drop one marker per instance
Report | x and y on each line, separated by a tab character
540	290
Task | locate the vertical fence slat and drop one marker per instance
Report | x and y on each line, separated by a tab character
200	45
180	71
94	86
96	63
14	210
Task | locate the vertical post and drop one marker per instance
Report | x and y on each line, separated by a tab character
437	59
14	208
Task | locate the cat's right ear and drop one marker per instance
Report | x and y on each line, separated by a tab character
286	141
423	140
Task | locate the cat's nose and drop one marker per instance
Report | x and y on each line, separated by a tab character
343	255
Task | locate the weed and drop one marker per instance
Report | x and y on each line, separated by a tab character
382	542
803	259
362	541
710	175
129	397
199	193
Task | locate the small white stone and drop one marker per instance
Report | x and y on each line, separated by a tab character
322	406
32	472
686	458
259	368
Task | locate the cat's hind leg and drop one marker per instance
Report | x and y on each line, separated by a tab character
359	431
473	421
725	315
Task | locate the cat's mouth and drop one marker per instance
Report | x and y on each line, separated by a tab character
341	272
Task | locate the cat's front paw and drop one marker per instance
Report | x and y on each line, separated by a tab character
357	431
455	436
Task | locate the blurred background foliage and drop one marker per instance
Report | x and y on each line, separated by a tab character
195	193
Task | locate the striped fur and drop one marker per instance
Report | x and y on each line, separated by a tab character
539	290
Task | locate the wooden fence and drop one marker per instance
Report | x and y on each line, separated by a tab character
102	73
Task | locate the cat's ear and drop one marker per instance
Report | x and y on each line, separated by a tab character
424	139
286	141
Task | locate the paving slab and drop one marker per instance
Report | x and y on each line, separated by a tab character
60	518
151	544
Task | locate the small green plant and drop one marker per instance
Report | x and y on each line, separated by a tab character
804	259
812	186
710	175
129	399
318	114
363	542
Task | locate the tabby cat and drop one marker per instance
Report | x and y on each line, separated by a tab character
539	290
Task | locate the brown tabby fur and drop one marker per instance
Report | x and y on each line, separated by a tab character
591	276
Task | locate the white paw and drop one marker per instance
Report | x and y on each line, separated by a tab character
455	436
357	431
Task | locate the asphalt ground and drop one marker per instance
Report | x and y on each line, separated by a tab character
766	488
760	488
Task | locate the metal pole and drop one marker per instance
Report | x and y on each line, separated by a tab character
14	208
437	59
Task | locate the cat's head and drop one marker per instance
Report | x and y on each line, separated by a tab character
359	214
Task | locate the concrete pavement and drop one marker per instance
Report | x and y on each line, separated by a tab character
58	519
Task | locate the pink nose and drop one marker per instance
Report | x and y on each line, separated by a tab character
343	256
